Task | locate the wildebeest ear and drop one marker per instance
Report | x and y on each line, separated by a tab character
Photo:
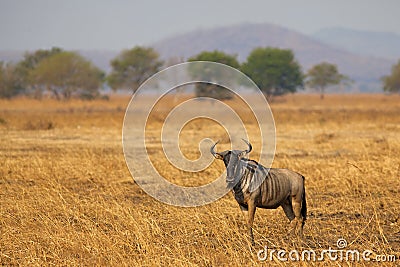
242	154
218	156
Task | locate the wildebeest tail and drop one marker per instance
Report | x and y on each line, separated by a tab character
304	203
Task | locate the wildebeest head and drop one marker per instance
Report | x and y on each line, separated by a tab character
231	159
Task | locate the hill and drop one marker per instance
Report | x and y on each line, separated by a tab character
367	43
365	68
241	39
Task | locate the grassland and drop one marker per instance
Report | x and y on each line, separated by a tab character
67	197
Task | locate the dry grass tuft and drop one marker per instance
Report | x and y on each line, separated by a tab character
38	125
324	137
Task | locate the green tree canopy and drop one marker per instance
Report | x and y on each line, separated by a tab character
28	64
323	75
9	82
66	74
132	67
210	89
274	70
391	83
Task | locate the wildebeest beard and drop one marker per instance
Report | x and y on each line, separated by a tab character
248	173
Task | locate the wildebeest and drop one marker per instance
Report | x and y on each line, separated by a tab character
253	186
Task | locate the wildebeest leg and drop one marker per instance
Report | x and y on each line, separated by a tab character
245	211
288	209
298	221
251	213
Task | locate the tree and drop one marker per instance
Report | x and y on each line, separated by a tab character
9	83
323	75
210	89
132	67
28	64
391	83
274	70
66	74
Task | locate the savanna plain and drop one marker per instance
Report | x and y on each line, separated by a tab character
68	198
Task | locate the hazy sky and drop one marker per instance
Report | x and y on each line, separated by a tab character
118	24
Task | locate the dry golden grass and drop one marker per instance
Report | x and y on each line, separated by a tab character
67	197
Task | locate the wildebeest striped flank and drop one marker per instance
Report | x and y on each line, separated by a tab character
254	186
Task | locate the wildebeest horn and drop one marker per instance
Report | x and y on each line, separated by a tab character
249	145
212	149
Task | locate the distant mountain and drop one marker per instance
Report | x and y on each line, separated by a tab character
367	43
241	39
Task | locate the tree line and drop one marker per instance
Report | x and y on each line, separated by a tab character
65	74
